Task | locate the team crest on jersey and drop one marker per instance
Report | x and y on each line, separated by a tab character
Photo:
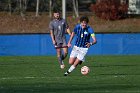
85	32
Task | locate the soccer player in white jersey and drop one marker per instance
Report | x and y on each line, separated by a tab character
58	27
83	33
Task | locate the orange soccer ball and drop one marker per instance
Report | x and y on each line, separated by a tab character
85	70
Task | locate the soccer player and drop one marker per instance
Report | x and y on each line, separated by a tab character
83	33
58	26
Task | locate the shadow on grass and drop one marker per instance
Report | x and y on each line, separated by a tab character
67	88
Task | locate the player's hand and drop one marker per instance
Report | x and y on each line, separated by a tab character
69	45
88	45
54	43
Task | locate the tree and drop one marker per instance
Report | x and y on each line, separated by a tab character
50	8
37	8
110	9
75	8
9	5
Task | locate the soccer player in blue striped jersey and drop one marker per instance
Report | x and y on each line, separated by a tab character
83	34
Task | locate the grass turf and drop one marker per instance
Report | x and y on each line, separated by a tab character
32	74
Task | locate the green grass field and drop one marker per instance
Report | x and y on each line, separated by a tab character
41	74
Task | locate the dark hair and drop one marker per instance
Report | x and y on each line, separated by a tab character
56	11
84	18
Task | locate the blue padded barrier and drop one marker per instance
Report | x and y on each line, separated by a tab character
41	44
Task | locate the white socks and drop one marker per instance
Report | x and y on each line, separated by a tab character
71	68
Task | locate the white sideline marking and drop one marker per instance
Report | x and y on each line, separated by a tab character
10	78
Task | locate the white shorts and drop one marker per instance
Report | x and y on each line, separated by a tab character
79	52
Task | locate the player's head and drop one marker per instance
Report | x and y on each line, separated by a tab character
56	14
84	21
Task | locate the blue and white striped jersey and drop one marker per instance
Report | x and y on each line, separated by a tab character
82	35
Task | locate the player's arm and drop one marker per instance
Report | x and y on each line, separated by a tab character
71	38
51	27
67	28
68	31
52	36
72	35
94	39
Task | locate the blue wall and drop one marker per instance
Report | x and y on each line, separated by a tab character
41	44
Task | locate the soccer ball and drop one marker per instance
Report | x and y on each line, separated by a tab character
85	70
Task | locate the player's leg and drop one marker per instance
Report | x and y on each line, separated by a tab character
65	49
73	55
59	58
72	60
80	57
63	56
74	63
80	63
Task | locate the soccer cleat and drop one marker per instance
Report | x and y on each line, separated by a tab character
66	73
62	66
